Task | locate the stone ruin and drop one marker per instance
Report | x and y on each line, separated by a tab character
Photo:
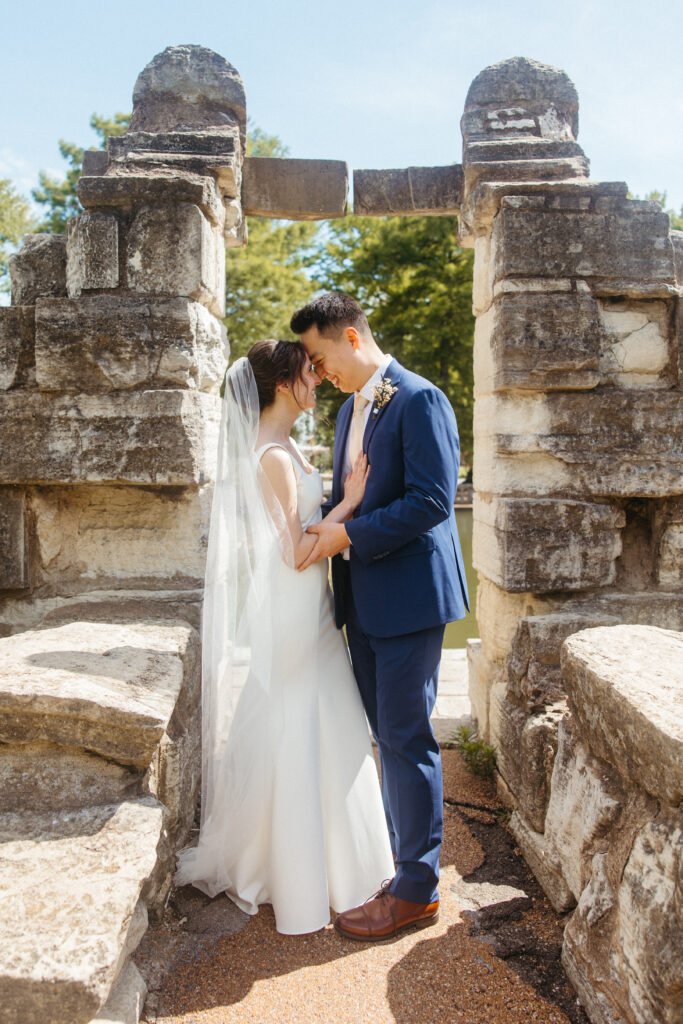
111	359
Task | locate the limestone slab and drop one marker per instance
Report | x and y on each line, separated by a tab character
625	688
636	350
410	191
628	244
92	253
499	613
294	189
70	886
17	341
14	572
525	751
622	444
111	689
538	341
677	242
176	251
540	545
210	150
128	189
150	437
542	860
482	675
126	1000
43	776
104	343
128	534
39	268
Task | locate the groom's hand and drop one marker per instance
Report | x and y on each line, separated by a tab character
331	539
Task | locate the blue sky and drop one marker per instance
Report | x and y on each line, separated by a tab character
379	84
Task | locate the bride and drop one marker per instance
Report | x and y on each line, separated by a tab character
291	807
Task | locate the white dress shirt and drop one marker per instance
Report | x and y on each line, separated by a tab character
367	391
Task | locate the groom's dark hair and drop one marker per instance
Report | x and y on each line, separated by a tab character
328	313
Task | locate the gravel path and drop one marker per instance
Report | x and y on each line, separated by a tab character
493	957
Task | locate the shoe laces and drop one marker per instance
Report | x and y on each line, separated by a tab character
382	891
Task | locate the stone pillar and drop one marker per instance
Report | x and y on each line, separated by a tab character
112	356
577	410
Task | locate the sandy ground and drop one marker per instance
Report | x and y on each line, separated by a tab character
493	956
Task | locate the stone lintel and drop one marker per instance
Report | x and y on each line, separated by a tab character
294	189
409	191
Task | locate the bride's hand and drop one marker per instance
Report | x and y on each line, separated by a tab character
354	485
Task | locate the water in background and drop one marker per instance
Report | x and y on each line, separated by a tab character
457	633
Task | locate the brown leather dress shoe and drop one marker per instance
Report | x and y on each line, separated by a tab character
385	915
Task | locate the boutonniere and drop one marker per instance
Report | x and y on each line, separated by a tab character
382	394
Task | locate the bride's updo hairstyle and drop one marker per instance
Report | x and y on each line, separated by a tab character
275	362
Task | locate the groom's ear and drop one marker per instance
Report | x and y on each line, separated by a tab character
353	338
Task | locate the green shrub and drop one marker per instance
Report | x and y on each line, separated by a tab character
479	757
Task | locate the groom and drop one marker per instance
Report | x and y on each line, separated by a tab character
398	578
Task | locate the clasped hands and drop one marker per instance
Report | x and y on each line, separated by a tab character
331	535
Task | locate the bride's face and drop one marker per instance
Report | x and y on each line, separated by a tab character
304	389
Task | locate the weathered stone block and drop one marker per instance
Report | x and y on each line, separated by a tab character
481	676
543	544
126	190
499	613
622	945
520	82
95	161
159	437
413	191
126	1000
104	534
585	802
43	776
541	857
525	751
668	539
625	689
636	351
92	253
677	242
17	339
176	251
13	540
70	884
215	150
630	244
580	445
39	268
188	87
104	343
294	189
538	342
112	689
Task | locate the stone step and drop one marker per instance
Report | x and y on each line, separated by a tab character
111	688
70	888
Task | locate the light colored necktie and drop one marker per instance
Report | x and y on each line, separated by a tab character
360	403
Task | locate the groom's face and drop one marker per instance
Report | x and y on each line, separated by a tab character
335	359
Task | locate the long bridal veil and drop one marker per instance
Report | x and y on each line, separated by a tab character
247	538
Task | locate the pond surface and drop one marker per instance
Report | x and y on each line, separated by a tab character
457	633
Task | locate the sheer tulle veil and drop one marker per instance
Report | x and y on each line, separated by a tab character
247	538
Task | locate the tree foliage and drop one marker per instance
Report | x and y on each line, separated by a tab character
16	219
59	197
415	284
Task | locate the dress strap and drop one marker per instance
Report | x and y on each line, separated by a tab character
266	447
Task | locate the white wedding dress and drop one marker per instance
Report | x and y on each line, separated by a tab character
300	823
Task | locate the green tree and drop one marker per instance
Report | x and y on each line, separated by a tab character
415	284
16	219
59	197
270	277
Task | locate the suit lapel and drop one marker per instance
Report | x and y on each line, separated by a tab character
392	372
340	435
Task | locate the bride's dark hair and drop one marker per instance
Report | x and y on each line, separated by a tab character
275	362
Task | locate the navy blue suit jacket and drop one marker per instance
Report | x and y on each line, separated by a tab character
405	566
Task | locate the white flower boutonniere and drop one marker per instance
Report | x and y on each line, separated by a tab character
382	394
